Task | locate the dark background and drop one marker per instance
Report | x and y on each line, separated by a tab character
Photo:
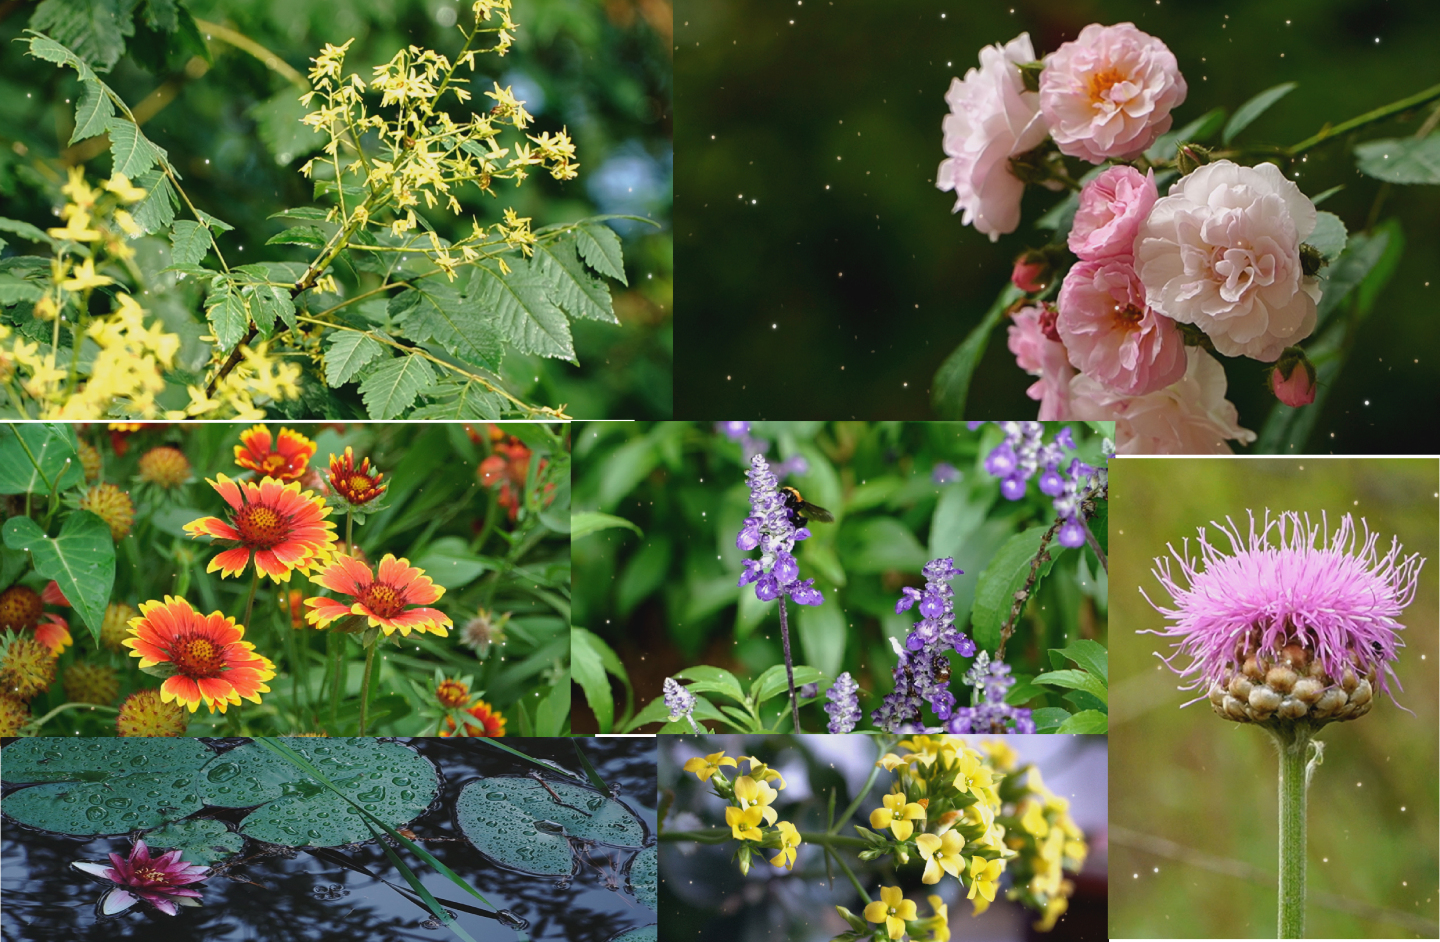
833	303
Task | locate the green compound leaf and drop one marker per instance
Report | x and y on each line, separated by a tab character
277	121
1254	108
93	113
434	308
517	823
392	388
157	210
191	241
580	293
1002	578
81	560
389	780
644	876
600	248
202	841
269	302
132	150
55	449
462	399
225	309
95	29
312	237
1401	160
348	352
525	313
99	786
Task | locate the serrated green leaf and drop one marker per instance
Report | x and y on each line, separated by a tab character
952	380
277	121
81	560
132	151
157	210
600	248
191	242
43	47
160	15
14	290
270	302
219	225
580	293
1254	108
93	113
1401	160
434	308
465	399
225	309
392	388
94	29
526	315
25	231
308	236
348	351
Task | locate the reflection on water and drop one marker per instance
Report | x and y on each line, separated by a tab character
353	893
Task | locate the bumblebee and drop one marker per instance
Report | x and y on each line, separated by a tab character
802	511
942	670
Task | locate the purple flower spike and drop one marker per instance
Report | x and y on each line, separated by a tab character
908	598
1001	461
990	713
1072	534
1287	597
768	529
918	671
844	705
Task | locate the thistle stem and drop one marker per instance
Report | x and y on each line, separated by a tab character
1292	740
789	666
365	685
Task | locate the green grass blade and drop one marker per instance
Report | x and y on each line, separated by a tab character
590	771
440	912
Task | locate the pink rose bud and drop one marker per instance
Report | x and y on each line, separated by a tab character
1031	273
1293	379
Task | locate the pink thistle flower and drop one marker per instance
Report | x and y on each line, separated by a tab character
159	881
1300	625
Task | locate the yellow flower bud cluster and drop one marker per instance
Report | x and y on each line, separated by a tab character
1047	842
750	797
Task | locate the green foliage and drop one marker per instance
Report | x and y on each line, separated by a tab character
203	841
1401	160
952	380
81	560
644	875
1246	114
525	824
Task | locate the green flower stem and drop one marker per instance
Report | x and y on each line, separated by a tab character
851	874
334	648
365	685
1292	740
250	600
885	745
37	724
789	666
1369	117
721	835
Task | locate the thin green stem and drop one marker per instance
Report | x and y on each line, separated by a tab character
851	874
789	666
1292	739
250	600
37	724
1369	117
293	656
860	795
350	532
334	647
721	835
365	685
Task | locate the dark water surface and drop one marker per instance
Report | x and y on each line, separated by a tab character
276	894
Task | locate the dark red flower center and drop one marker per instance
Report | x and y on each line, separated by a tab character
260	526
198	657
382	599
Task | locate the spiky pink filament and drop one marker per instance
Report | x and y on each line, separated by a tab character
1339	600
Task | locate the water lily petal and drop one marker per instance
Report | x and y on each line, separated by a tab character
117	901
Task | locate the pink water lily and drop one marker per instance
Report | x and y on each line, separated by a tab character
159	881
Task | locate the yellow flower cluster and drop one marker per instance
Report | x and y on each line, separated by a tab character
425	153
1046	842
750	797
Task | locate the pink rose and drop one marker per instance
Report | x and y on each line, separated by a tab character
1031	272
992	118
1293	379
1192	417
1222	252
1109	93
1040	355
1112	207
1112	334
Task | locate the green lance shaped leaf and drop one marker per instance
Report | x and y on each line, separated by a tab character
132	151
952	380
81	560
434	308
392	388
225	309
93	113
56	453
1005	575
600	248
587	522
773	682
1197	131
517	821
348	352
191	242
1090	655
25	231
311	237
522	306
1254	108
1076	680
644	876
577	291
1401	160
1086	721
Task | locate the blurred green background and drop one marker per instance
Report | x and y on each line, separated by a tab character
1209	785
602	68
669	599
826	275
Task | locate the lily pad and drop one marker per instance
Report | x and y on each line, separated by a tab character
200	840
640	934
518	823
389	780
95	787
644	873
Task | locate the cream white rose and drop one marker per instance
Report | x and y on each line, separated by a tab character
1222	252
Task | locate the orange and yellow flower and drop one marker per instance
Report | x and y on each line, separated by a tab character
284	526
53	632
213	663
452	694
382	598
283	459
491	723
358	486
